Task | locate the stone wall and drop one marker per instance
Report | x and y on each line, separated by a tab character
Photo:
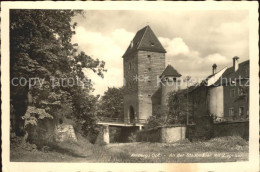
197	132
168	134
232	129
173	134
150	67
65	132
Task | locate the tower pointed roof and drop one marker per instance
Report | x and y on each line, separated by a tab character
170	71
146	40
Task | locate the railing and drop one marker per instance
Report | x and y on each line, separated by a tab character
108	119
231	119
123	120
136	121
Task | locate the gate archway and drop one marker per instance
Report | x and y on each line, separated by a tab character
131	114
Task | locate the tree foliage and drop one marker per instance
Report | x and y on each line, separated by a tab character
34	114
112	104
176	112
40	46
158	118
179	108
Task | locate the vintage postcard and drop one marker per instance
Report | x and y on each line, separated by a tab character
130	86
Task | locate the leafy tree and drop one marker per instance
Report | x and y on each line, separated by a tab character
111	104
175	113
158	117
40	46
179	108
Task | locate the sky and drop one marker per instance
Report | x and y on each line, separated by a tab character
194	40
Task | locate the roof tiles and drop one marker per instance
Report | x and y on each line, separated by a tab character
170	71
145	40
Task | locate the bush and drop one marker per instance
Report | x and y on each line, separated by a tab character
158	117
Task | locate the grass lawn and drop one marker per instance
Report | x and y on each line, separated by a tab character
225	149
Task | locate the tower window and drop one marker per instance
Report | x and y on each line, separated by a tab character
149	56
170	79
130	65
241	111
149	69
152	44
232	93
240	91
231	112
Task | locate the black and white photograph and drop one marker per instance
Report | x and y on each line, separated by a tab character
131	85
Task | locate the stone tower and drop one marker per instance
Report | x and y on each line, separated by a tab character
169	82
144	62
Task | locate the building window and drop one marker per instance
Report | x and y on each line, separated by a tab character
130	65
149	69
231	112
170	79
241	111
152	44
232	93
149	58
241	91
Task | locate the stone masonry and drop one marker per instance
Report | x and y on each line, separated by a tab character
65	133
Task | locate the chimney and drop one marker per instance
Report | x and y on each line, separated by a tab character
214	68
235	63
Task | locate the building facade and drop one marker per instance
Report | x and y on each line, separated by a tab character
223	94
